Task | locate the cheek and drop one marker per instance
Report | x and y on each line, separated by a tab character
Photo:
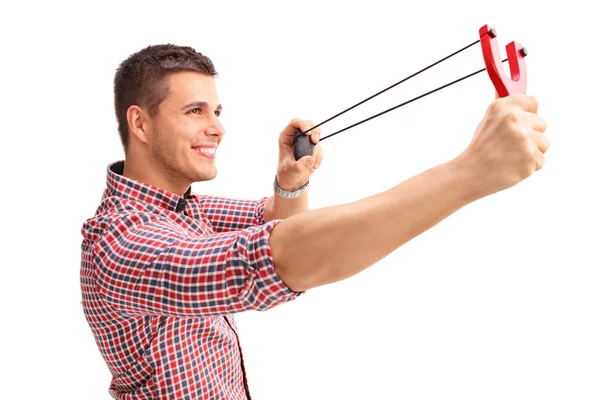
184	129
192	126
161	139
175	135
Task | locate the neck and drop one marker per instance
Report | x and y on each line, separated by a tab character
147	172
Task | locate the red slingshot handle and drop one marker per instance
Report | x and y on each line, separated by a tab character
517	83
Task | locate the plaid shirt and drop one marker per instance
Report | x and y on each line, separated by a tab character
162	276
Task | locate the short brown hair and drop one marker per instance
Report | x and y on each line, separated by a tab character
141	79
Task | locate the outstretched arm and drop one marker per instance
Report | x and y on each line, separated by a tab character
333	243
326	245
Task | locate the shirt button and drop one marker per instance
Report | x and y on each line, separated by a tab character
181	204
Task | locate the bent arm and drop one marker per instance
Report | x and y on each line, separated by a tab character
228	214
326	245
146	266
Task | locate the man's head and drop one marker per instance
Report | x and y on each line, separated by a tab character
167	111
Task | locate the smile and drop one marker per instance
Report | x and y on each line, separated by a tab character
206	151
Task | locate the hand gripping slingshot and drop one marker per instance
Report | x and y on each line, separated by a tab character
516	84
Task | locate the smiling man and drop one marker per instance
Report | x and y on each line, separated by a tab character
164	269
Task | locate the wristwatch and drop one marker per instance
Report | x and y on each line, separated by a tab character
289	195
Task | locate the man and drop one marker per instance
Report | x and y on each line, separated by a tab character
164	270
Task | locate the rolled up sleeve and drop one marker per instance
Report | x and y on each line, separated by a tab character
146	266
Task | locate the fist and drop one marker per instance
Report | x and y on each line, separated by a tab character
508	145
292	174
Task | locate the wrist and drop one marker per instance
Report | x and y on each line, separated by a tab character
467	173
287	191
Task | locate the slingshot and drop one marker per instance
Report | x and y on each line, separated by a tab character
516	84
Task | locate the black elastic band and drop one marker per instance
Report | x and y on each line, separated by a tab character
394	85
407	102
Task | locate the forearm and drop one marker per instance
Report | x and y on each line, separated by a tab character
326	245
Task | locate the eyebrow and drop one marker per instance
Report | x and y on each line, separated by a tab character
200	104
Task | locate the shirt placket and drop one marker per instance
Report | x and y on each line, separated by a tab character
181	206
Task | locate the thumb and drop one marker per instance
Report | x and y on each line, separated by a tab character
307	162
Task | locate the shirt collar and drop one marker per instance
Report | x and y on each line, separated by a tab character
121	186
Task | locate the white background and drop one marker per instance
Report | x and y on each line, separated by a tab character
499	301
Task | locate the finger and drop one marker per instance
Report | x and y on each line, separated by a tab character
302	124
541	141
526	102
294	125
301	165
534	121
315	135
318	155
307	128
539	160
537	146
306	163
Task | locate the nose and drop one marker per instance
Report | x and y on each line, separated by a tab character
215	128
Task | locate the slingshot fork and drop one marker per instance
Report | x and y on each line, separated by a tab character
515	52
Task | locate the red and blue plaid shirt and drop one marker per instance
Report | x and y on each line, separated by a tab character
162	276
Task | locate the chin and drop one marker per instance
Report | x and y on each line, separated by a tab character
202	176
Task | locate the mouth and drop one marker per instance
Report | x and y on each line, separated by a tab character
206	151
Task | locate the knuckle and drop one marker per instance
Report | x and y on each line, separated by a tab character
516	125
496	106
531	151
512	116
529	168
295	123
534	100
540	163
518	134
543	124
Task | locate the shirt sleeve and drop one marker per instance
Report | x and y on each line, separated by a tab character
227	214
146	266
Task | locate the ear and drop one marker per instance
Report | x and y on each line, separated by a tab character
138	122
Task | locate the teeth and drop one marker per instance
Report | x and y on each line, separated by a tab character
208	150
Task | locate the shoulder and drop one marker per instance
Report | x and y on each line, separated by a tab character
121	214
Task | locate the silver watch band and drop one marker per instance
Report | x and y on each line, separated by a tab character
287	194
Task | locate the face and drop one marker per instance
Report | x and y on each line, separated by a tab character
186	132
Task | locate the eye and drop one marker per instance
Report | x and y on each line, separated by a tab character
197	110
218	113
